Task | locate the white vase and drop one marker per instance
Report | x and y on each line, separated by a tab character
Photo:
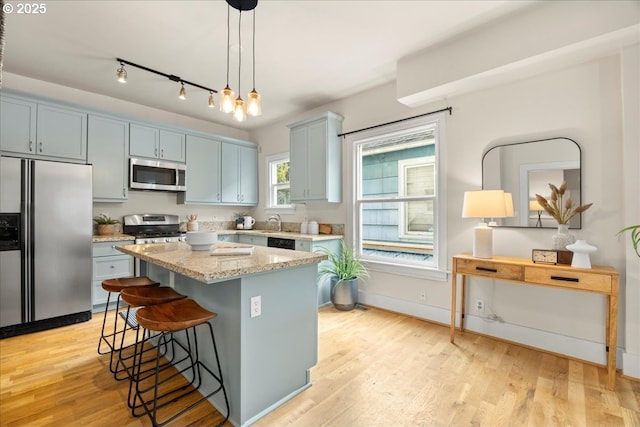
562	238
581	250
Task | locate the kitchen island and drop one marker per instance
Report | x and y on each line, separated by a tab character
266	358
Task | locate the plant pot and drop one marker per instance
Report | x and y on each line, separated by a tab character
106	229
344	293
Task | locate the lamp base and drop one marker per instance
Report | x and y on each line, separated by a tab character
482	241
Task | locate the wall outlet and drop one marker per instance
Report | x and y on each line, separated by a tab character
480	305
256	306
423	295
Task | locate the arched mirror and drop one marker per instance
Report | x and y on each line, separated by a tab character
527	168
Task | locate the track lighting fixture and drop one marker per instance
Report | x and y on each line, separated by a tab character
228	101
121	73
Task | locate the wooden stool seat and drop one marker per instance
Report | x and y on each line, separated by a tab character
120	283
143	296
174	316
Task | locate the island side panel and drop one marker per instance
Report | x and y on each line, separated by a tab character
280	345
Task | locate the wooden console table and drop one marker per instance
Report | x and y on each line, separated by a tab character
599	279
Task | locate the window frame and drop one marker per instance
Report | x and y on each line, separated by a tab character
437	270
271	195
403	227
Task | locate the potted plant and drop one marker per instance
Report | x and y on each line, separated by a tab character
344	270
635	236
106	224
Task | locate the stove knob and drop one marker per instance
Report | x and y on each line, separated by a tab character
155	241
167	239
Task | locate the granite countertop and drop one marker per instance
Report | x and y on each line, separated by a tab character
202	266
112	238
283	234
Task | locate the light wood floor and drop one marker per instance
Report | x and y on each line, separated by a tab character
375	368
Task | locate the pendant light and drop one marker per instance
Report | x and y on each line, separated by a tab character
121	73
239	111
211	101
254	107
183	92
226	101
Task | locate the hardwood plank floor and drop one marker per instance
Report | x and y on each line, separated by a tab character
375	368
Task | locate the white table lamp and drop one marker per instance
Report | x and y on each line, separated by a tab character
485	204
534	206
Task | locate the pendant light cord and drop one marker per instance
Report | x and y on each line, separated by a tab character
254	49
228	37
239	50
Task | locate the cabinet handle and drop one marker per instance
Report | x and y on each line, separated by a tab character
162	153
41	146
124	192
218	196
112	266
30	146
156	152
566	279
490	270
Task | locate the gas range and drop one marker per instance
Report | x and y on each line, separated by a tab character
153	228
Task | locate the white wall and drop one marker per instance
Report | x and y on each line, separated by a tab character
582	102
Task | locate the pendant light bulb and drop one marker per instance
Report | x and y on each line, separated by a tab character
239	113
183	93
227	102
211	101
254	107
122	74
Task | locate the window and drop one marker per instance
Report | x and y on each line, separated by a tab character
279	194
397	211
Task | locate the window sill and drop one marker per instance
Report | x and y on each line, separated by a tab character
430	273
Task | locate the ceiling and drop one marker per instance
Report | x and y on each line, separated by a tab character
308	53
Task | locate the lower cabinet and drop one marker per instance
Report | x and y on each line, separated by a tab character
109	263
227	238
252	240
324	283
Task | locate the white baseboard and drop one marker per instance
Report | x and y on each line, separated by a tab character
631	364
575	347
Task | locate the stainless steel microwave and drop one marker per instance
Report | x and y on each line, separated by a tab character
147	174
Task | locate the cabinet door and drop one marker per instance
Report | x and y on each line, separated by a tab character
61	132
317	161
298	163
203	170
248	175
229	173
248	239
108	144
143	141
172	146
17	125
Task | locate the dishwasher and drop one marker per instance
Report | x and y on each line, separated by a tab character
278	242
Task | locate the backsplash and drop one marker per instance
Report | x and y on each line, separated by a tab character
292	227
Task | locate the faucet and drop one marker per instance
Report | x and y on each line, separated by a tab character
277	218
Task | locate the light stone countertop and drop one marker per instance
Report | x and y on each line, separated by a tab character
112	238
202	266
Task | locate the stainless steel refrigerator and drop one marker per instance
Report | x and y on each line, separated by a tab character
45	245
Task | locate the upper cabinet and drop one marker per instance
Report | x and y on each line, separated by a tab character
203	171
154	143
108	145
42	130
239	177
316	159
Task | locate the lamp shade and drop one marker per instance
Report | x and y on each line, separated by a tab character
535	206
485	204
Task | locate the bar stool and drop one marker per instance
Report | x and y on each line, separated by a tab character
139	297
116	285
168	319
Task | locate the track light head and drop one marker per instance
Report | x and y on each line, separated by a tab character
211	101
183	92
121	73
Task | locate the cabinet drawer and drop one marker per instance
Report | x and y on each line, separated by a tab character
566	278
109	248
490	269
109	267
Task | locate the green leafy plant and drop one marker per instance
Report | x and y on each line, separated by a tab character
635	236
105	219
344	264
561	209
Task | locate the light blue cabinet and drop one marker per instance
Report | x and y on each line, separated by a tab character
203	171
239	174
228	238
315	154
154	143
108	145
18	125
43	130
249	239
324	283
109	263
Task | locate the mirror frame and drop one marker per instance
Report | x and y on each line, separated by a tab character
484	184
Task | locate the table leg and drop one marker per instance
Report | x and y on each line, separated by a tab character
452	326
612	335
463	298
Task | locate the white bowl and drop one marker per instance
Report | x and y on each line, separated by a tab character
202	247
202	238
